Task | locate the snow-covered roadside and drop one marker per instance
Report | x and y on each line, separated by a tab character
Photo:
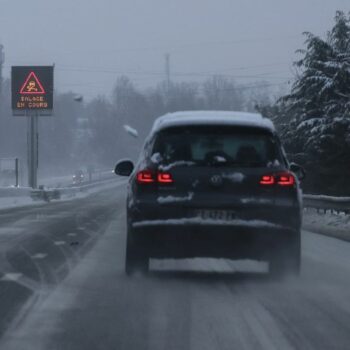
12	200
330	224
66	180
14	191
57	181
13	197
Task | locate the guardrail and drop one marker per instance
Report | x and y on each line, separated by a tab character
48	194
327	203
318	202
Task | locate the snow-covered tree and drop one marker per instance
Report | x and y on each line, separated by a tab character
318	109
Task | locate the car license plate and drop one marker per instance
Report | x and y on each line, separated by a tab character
215	214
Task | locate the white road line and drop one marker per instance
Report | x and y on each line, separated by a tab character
11	276
72	234
59	242
39	256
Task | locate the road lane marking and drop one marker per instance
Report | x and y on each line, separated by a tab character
59	243
11	276
72	234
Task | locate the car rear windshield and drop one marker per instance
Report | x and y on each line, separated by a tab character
217	145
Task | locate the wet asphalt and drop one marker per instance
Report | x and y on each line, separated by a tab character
62	286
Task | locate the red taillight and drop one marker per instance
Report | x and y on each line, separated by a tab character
285	179
267	180
145	176
165	178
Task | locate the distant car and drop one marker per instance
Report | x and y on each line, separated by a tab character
78	177
213	184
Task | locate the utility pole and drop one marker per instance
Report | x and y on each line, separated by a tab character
167	71
2	61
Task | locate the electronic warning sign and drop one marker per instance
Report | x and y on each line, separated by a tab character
32	89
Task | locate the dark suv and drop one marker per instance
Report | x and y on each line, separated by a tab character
213	184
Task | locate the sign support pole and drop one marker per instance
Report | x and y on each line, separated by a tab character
32	96
33	150
17	171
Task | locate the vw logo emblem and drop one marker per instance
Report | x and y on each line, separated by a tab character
216	180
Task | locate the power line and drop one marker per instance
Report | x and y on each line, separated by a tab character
237	88
113	70
253	86
196	45
160	74
251	67
104	70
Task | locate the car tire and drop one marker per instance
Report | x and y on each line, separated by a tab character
287	261
136	259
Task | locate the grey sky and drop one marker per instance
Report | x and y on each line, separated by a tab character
92	42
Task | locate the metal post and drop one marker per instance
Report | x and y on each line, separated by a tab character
2	61
17	172
33	150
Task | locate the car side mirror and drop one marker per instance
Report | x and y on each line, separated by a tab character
298	170
124	168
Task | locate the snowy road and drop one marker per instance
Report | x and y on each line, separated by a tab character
198	305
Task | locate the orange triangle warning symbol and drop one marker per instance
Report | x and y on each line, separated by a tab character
32	86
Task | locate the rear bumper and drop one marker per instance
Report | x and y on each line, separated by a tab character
217	241
257	231
279	215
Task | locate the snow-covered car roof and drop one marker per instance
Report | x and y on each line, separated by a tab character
212	118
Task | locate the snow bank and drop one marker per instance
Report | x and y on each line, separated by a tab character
327	198
14	191
13	202
21	196
330	224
